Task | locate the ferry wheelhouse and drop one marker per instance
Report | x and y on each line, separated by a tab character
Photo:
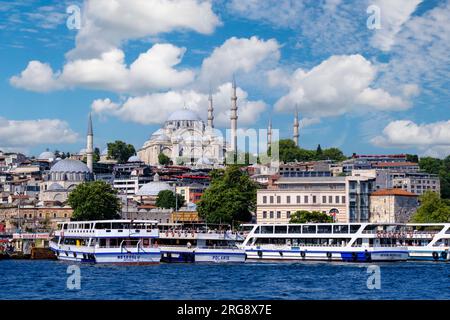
107	241
351	242
199	243
428	241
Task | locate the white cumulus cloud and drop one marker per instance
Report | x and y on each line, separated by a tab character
238	55
155	108
152	70
27	133
431	138
108	23
336	86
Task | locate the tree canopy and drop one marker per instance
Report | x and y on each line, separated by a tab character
432	209
163	159
94	201
289	152
441	168
166	199
230	197
120	151
303	216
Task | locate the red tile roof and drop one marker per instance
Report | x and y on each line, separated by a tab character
395	164
393	192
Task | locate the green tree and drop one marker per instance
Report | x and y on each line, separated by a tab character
303	216
333	154
441	168
163	159
166	199
430	165
230	197
319	152
412	158
120	151
432	209
96	156
95	200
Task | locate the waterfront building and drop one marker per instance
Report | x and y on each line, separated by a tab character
305	169
191	192
392	205
129	177
417	182
346	199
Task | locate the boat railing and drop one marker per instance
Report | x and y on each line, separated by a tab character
218	247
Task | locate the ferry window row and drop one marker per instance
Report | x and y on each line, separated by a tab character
325	199
308	229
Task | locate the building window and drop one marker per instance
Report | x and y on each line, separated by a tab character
264	214
278	199
271	199
314	199
298	199
264	199
288	199
337	199
288	214
271	214
330	199
278	214
306	199
324	199
343	199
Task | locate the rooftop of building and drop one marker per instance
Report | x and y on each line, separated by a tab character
393	192
395	164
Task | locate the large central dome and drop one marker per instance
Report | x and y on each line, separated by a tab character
184	114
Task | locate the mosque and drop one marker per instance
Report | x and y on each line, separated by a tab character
186	139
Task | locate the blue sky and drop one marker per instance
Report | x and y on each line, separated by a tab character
133	63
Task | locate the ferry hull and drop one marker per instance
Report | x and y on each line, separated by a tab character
199	255
327	255
429	255
151	256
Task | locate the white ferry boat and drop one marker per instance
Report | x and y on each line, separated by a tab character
428	241
107	241
352	242
199	243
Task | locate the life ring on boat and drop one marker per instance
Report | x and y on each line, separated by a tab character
303	254
435	255
444	255
329	255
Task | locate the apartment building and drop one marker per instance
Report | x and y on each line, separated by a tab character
346	199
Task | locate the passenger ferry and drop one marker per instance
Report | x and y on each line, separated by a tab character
428	241
107	241
351	242
199	243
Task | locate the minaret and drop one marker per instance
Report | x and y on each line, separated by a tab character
210	111
296	125
269	135
90	145
233	118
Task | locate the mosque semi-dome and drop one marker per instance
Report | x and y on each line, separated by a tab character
70	165
134	159
153	188
46	155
